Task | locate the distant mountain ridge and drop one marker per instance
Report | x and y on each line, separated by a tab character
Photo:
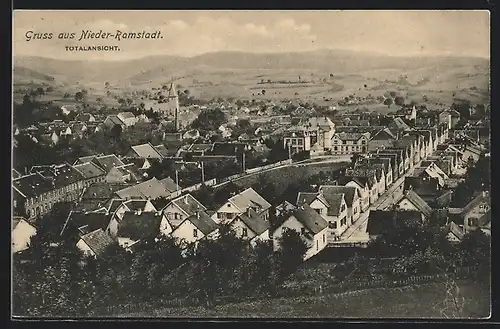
147	68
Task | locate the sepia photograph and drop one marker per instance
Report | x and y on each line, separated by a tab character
198	164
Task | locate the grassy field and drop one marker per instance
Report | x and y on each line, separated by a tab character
282	177
418	301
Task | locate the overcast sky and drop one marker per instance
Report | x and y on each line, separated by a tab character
188	33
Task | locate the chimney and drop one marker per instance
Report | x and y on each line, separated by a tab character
198	215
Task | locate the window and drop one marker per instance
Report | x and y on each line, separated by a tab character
342	208
318	211
300	141
195	233
472	221
244	231
335	148
303	230
324	238
317	245
344	142
333	225
220	215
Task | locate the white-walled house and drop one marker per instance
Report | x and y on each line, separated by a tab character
250	226
351	197
181	208
239	204
312	227
195	228
22	231
361	184
412	201
332	207
95	243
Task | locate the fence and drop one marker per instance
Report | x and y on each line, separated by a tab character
253	171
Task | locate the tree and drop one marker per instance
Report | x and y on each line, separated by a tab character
106	85
121	101
66	95
49	89
129	101
399	100
388	102
393	94
263	92
116	131
79	96
291	252
209	120
98	100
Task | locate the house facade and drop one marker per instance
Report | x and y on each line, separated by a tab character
312	228
350	143
241	203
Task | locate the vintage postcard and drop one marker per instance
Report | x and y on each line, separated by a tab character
251	164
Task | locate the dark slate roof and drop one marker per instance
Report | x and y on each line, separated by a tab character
113	119
98	241
349	192
306	198
189	204
107	162
351	136
422	186
32	185
162	149
334	202
310	219
255	222
382	221
90	170
137	226
91	220
418	202
61	175
203	222
221	148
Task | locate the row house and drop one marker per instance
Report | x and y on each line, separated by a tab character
412	143
349	143
387	166
377	169
428	140
398	164
45	186
311	226
381	140
363	188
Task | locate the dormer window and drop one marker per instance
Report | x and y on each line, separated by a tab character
195	233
